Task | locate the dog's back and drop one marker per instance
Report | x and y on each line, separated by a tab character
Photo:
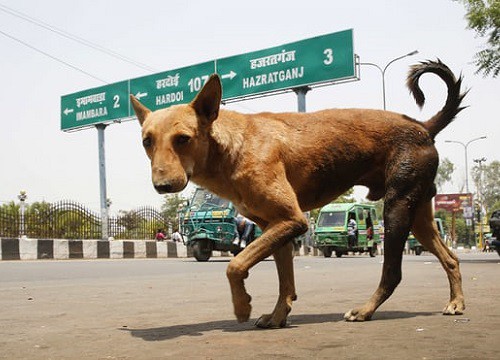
325	150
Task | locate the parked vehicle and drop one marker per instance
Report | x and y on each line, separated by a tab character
495	229
413	243
331	229
208	223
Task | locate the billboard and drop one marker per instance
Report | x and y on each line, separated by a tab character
454	203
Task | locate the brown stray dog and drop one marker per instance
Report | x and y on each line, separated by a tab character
275	166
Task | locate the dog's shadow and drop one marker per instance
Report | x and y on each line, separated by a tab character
172	332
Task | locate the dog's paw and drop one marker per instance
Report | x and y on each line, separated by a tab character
356	315
243	309
268	321
454	308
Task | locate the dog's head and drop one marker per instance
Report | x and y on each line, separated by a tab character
176	139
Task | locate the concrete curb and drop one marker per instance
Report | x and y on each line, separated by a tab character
34	249
60	249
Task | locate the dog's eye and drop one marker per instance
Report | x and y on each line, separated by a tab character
182	139
146	142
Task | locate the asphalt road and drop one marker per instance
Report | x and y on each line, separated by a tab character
181	309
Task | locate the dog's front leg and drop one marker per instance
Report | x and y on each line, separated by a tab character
273	241
283	258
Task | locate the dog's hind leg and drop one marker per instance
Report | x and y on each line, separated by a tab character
284	264
397	216
425	230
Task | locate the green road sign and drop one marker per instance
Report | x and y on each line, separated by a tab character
308	62
319	60
95	106
168	88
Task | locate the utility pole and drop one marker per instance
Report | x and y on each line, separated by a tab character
480	199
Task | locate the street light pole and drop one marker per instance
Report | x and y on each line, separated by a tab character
22	197
480	199
466	145
384	69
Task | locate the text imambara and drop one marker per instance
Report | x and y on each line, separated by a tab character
91	113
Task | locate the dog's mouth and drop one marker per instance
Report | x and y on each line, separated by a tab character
163	189
168	188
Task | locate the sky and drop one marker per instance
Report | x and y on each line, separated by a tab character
52	165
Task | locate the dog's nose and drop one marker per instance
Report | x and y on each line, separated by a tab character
163	189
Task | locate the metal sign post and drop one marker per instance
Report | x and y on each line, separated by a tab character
102	182
301	108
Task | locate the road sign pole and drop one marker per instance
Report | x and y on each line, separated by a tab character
301	108
102	181
301	98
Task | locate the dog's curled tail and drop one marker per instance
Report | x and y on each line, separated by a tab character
452	107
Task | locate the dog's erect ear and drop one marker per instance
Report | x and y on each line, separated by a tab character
140	110
207	102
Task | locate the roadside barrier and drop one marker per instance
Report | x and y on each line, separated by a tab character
60	249
34	249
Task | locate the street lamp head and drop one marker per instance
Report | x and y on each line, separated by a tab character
414	52
22	195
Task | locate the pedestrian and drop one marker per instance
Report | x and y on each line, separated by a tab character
245	231
369	227
160	236
352	230
177	236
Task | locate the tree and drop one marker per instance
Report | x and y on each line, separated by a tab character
346	197
173	202
490	189
9	219
444	171
483	16
496	206
37	215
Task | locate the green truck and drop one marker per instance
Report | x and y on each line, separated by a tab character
330	234
208	223
413	243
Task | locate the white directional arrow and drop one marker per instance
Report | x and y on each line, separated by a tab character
140	95
229	76
67	111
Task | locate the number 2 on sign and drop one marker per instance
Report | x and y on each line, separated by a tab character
328	56
116	104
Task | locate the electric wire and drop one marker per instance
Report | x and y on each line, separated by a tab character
52	57
79	40
75	38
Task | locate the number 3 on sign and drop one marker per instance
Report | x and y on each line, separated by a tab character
328	56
